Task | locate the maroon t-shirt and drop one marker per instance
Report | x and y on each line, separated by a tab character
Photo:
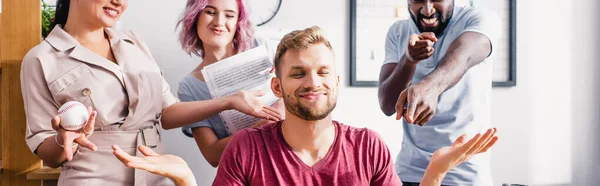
262	157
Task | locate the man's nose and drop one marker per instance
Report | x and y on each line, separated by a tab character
428	10
314	81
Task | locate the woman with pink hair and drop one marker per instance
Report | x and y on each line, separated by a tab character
214	30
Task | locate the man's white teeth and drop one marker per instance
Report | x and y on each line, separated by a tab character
430	21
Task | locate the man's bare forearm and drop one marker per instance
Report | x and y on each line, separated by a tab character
448	72
468	50
392	82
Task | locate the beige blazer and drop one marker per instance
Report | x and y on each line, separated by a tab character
128	96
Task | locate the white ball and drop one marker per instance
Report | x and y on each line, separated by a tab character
73	115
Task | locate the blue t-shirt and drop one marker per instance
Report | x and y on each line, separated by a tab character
192	89
462	109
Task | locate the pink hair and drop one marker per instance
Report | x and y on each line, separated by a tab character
188	36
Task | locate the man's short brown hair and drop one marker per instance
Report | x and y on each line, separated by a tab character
297	40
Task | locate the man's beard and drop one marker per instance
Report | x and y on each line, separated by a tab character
443	21
305	112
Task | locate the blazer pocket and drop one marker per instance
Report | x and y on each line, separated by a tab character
68	79
74	85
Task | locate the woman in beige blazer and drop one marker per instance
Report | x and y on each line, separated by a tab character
113	73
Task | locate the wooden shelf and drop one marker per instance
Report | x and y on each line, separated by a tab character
20	24
44	173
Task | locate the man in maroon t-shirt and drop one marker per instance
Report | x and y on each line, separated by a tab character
308	147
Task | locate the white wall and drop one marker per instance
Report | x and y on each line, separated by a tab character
540	121
586	90
535	117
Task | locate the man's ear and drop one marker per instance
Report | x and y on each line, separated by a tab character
338	81
276	87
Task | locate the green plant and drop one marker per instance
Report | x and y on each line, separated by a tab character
47	17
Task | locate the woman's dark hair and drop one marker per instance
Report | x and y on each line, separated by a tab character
61	14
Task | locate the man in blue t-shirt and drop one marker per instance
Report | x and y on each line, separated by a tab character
436	76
